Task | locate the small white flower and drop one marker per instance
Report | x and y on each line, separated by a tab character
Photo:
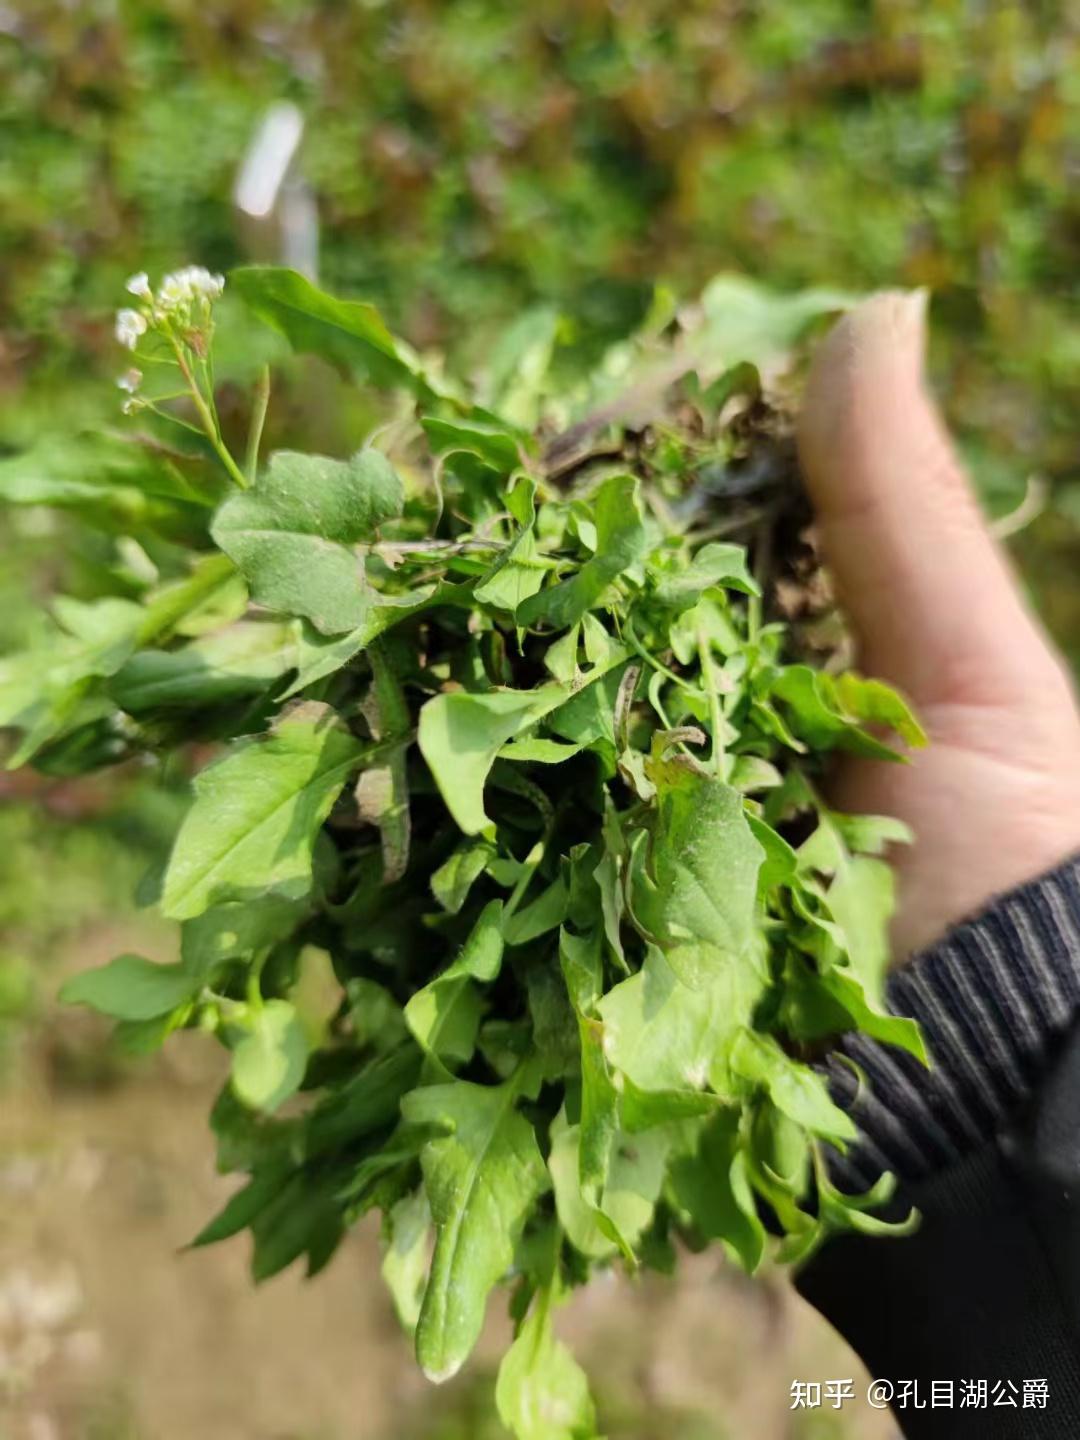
129	326
139	285
194	282
130	380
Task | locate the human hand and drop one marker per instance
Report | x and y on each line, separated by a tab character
995	798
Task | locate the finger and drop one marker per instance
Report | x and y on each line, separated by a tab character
930	594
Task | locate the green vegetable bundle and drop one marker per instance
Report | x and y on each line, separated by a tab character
509	887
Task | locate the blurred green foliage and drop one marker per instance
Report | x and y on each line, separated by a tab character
469	158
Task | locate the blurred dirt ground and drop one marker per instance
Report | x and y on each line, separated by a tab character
110	1331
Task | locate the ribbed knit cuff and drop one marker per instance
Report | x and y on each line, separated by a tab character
992	997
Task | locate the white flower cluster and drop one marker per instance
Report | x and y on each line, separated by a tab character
184	296
183	287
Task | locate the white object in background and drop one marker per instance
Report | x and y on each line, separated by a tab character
267	188
262	173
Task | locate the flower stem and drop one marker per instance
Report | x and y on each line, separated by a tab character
258	420
206	415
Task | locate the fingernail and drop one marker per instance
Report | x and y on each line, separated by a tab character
911	308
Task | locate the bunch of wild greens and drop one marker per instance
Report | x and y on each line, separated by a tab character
509	887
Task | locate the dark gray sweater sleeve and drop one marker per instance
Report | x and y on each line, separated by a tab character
993	997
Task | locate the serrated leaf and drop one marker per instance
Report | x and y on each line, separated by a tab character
877	703
132	988
268	1063
848	992
482	1177
257	811
290	534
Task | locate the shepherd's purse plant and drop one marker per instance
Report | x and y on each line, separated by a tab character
507	880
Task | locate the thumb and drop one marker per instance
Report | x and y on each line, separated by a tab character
929	592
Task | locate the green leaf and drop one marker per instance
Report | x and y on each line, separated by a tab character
635	1175
445	1014
242	659
874	702
848	992
499	446
303	1217
518	364
860	899
535	750
110	481
382	792
696	899
711	1184
588	715
318	656
257	811
715	565
817	717
290	534
518	573
407	1243
461	734
269	1061
242	1208
453	880
541	1391
599	1113
47	690
444	1017
349	333
546	912
236	930
620	540
377	1018
483	1176
870	834
746	323
796	1089
666	1036
780	863
131	988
